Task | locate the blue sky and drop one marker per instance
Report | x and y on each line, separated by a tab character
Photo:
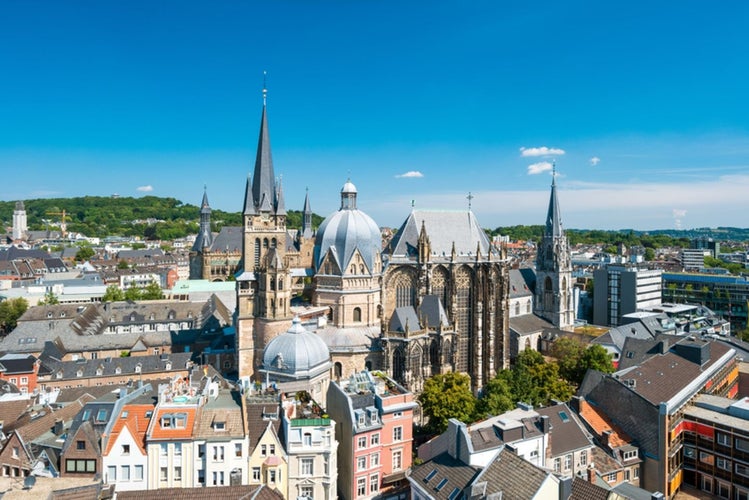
642	104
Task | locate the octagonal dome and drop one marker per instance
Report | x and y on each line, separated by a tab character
297	352
346	231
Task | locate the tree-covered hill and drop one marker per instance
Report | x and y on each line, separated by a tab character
149	217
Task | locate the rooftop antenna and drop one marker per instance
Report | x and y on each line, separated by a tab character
265	88
470	199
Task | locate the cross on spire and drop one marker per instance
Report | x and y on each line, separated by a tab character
265	88
470	199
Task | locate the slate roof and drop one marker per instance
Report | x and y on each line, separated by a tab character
140	253
458	475
528	324
513	476
229	239
247	492
432	311
635	351
522	282
86	368
404	317
444	228
17	363
567	434
15	253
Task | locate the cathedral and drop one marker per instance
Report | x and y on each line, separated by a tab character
432	300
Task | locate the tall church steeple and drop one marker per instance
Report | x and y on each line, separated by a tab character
205	236
555	298
307	217
264	282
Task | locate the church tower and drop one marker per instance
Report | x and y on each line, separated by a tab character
19	222
264	282
555	299
203	241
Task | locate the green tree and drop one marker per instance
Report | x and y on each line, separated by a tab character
496	396
10	311
122	264
133	293
595	357
50	299
537	382
568	353
113	294
152	291
84	253
649	254
447	396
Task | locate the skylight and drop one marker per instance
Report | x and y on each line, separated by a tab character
454	494
565	418
441	484
430	475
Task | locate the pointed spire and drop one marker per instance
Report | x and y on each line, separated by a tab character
554	217
205	236
263	189
249	201
204	204
307	217
280	205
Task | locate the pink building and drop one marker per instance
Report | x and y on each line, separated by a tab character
375	434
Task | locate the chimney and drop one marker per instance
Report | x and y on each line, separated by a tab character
591	473
58	428
545	424
606	437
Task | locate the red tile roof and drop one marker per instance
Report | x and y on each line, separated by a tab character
136	423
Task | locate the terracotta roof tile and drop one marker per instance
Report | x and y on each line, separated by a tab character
135	421
159	432
600	423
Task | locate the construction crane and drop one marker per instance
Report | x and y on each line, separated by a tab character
63	224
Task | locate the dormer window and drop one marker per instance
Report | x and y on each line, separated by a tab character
138	368
118	370
79	373
219	426
100	371
168	365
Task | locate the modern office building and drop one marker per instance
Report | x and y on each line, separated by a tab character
621	290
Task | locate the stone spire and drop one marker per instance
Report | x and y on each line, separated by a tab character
553	216
280	205
205	236
249	201
307	217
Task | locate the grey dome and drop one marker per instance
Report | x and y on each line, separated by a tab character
347	230
296	352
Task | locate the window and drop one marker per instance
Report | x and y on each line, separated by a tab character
178	473
723	490
611	477
218	453
557	464
723	439
24	380
178	449
361	486
125	449
163	449
138	473
742	494
219	426
201	476
306	491
568	462
626	474
256	474
374	460
80	445
398	414
534	453
629	455
307	439
80	466
723	463
237	449
398	434
742	470
584	457
361	442
374	483
15	451
201	450
636	472
125	473
111	474
375	439
272	475
163	474
272	449
454	494
742	444
397	460
706	458
361	463
263	450
307	466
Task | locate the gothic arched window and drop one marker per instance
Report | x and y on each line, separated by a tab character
357	314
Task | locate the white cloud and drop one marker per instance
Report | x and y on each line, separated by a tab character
412	174
541	151
145	189
538	168
594	161
678	213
